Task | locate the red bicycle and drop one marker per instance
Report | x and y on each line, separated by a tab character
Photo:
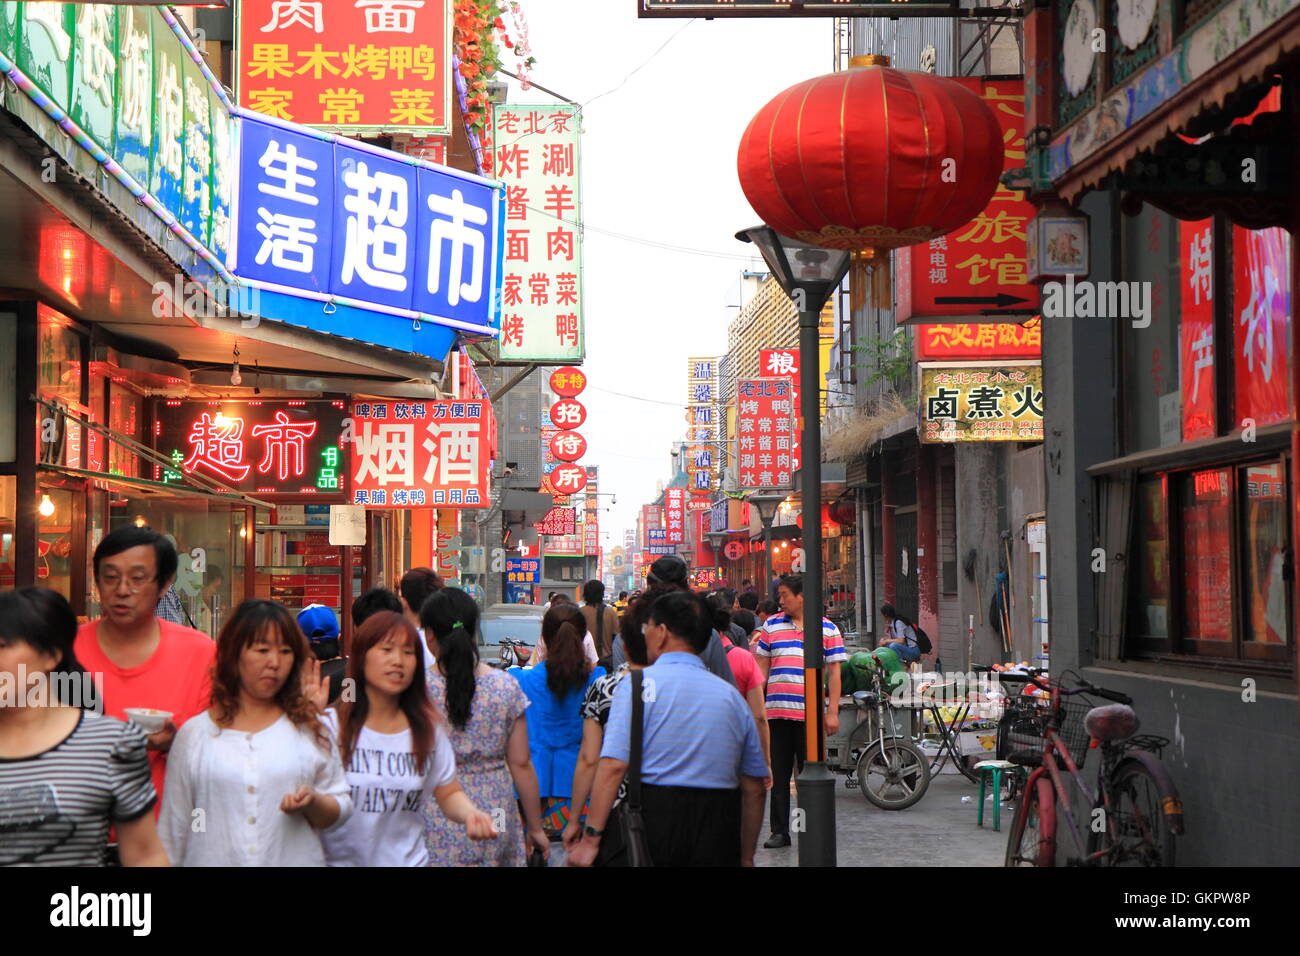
1135	813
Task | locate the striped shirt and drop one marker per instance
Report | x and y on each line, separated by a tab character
698	730
56	806
781	641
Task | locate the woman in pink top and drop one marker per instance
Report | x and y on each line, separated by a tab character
749	679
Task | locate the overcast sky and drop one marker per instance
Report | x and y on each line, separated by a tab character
658	164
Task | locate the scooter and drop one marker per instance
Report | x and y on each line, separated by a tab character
515	653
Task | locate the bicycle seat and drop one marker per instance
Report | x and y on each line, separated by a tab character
864	696
1112	722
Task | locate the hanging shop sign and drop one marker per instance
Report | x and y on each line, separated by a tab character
568	382
568	446
764	433
413	454
981	403
978	341
558	521
568	413
386	242
523	570
734	550
704	457
254	447
130	89
978	272
675	514
1196	352
568	479
537	157
365	66
591	516
784	8
784	363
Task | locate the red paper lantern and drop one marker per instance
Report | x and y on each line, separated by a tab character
871	159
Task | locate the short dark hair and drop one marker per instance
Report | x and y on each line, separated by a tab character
128	537
745	581
728	595
622	595
416	586
593	592
769	607
745	618
372	602
686	615
43	620
792	581
749	601
888	611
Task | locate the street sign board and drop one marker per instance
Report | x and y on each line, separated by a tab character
784	8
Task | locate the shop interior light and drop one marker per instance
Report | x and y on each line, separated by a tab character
46	508
243	532
139	521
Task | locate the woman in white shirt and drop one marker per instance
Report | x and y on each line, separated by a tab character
395	751
254	780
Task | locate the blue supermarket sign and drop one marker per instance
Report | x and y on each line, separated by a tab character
363	230
523	570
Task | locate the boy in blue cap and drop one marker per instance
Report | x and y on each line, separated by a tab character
321	627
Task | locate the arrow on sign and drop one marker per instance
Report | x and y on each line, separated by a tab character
1001	300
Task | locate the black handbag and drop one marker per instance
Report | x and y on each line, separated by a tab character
631	819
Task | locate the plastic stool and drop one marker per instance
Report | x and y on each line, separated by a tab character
994	768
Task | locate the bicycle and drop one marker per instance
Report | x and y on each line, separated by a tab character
892	772
1135	813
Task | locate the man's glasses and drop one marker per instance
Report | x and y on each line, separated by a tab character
134	582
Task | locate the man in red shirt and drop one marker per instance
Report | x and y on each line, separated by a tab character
137	659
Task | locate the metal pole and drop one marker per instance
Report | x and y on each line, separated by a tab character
816	784
767	559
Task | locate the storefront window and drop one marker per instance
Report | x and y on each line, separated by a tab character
8	516
1207	557
1149	604
207	543
1150	373
1264	543
125	417
59	360
55	547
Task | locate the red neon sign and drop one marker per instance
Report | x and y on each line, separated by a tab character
284	442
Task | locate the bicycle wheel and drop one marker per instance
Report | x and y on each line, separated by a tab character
1141	835
1032	841
894	776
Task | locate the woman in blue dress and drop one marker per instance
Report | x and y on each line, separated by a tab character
555	689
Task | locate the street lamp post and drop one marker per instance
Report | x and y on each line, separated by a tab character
808	274
767	505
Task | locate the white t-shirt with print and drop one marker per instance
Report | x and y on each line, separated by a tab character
388	797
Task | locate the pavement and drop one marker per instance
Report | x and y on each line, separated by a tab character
938	830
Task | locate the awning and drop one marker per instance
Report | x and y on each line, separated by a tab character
1249	63
159	488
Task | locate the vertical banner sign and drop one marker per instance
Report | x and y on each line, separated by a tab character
591	523
980	268
764	432
537	157
1261	305
413	454
784	363
675	515
347	65
703	463
361	228
1196	330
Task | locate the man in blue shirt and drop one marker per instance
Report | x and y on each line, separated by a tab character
702	766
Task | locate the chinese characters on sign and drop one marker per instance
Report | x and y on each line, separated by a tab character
558	521
981	403
1261	291
675	515
784	363
261	447
413	454
979	341
764	432
1196	330
983	265
374	230
536	155
704	458
591	520
348	64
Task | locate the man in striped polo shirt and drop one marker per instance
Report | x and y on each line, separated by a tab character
779	650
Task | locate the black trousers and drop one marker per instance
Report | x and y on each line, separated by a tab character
787	760
685	826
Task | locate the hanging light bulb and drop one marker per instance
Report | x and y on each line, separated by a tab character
46	507
235	377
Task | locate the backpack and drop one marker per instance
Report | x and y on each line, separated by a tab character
922	639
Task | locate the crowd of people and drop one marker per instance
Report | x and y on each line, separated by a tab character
275	745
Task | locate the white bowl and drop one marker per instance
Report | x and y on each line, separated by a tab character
149	720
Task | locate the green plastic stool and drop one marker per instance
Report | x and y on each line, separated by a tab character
994	768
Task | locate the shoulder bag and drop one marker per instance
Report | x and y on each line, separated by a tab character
630	817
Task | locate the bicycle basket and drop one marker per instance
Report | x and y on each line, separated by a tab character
1024	721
